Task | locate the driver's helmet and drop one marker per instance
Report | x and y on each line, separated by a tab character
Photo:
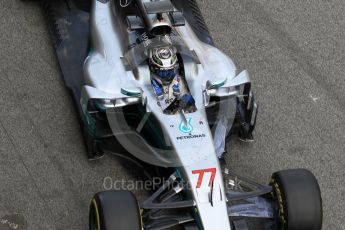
163	62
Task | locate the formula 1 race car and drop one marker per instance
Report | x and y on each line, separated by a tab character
150	87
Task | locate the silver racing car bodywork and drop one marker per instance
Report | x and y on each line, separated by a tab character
151	88
209	73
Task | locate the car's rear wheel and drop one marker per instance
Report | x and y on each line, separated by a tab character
299	200
114	210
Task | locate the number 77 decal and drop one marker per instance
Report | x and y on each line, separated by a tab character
201	173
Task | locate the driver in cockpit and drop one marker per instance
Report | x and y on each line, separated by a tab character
169	87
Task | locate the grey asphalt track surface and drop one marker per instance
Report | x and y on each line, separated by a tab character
294	51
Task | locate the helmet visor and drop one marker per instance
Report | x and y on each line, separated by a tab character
166	75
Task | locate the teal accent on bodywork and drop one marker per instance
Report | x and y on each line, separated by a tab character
100	107
130	94
217	86
90	120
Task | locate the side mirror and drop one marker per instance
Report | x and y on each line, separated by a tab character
211	88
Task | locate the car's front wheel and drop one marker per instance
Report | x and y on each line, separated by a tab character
114	210
299	200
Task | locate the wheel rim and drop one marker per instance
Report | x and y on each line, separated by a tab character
94	217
